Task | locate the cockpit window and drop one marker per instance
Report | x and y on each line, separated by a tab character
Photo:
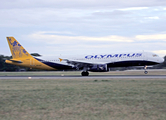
154	55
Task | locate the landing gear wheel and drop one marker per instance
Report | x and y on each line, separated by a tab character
85	73
146	72
145	67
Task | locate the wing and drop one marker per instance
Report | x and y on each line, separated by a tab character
80	64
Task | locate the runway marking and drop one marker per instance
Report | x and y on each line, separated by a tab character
85	77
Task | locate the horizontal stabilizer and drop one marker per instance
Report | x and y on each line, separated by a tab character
15	60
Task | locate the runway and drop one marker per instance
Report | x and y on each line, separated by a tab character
87	77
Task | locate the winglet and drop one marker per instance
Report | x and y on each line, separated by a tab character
60	59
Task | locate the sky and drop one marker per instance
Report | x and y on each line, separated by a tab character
75	27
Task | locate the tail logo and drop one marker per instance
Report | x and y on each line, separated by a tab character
17	49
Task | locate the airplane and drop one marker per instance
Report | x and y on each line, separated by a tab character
86	63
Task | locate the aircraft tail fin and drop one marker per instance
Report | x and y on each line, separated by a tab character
16	49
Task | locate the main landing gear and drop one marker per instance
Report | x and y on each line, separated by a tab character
85	73
146	72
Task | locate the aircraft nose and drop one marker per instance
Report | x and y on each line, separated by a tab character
161	60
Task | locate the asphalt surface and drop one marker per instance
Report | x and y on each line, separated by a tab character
86	77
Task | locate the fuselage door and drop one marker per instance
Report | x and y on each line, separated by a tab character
32	62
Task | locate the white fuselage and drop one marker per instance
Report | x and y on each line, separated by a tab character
111	60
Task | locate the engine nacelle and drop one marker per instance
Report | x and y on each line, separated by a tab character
99	68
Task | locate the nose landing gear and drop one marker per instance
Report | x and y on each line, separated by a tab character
146	72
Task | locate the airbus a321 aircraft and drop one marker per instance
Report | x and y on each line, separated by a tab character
89	62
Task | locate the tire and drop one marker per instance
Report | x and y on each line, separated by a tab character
85	73
146	72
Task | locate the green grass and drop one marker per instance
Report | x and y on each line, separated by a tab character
93	99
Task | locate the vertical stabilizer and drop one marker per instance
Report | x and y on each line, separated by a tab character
16	49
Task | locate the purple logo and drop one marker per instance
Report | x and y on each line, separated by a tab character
17	49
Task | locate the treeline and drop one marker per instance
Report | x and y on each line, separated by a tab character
8	67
